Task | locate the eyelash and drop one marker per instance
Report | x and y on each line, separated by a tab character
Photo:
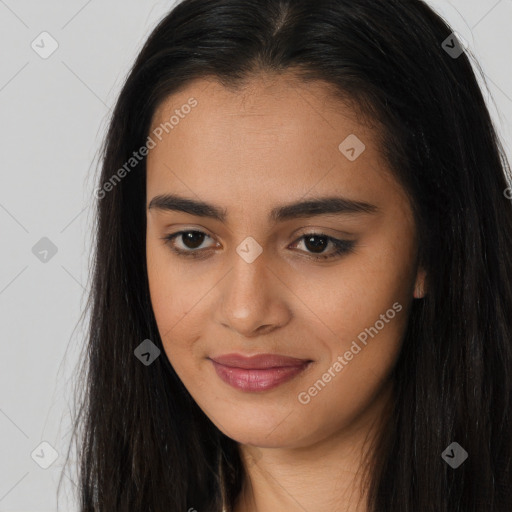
340	246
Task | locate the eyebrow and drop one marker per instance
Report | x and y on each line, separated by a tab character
309	208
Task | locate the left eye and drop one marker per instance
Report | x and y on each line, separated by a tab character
315	244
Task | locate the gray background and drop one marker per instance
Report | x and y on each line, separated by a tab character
54	113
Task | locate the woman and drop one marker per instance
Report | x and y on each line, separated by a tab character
302	284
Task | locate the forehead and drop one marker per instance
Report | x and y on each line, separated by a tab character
275	137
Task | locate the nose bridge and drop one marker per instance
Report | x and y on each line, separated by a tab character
245	295
251	301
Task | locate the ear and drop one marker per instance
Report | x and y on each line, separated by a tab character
420	284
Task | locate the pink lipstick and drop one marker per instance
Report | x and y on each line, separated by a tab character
257	373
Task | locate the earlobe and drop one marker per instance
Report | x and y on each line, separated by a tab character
420	285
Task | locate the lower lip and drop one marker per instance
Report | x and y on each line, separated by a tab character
257	380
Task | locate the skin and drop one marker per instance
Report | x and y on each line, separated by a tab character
271	144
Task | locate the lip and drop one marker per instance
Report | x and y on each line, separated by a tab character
260	372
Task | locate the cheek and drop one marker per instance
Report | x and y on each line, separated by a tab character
171	298
173	289
361	320
180	295
359	339
345	299
363	317
176	331
360	314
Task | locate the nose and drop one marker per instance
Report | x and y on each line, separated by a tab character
253	301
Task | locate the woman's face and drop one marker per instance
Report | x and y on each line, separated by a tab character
252	279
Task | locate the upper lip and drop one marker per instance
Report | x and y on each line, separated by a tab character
258	361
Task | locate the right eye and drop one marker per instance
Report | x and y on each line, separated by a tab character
191	240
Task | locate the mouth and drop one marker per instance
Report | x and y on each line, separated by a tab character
261	372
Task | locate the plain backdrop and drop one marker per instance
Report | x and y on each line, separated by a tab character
54	112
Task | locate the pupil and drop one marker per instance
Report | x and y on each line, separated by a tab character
315	246
193	239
